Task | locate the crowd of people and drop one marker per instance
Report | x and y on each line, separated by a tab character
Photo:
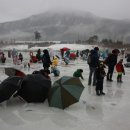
95	63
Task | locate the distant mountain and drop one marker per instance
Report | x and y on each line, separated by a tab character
65	25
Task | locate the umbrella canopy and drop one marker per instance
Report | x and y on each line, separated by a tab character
65	91
72	56
64	49
14	72
117	51
9	86
34	88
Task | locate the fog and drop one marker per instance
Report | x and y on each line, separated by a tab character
17	9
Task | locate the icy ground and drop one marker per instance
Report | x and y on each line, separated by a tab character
109	112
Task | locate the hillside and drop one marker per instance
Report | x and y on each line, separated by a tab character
65	25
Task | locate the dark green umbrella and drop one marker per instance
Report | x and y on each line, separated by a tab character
65	91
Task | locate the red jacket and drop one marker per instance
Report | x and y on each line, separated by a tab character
119	67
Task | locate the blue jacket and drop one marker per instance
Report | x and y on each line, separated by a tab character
94	59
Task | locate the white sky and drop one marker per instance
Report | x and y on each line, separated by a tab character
17	9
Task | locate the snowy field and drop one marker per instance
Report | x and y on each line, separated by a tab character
109	112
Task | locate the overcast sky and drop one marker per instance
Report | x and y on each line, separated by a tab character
17	9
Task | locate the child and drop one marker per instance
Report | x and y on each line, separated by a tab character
78	73
55	61
100	74
120	70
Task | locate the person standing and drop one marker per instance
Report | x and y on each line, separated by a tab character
38	55
46	60
120	70
93	62
111	61
100	74
15	56
77	53
20	57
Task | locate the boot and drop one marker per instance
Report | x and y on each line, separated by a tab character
108	77
111	78
118	80
102	93
97	93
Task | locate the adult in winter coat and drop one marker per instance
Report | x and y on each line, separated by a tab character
111	61
93	63
46	60
20	57
38	55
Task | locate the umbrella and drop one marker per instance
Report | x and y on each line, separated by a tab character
72	56
34	88
9	86
65	49
14	72
65	91
117	51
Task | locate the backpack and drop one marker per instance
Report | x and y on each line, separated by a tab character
107	60
89	60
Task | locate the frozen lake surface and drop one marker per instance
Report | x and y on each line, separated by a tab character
109	112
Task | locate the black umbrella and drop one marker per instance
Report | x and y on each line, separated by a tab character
117	51
9	86
14	72
34	88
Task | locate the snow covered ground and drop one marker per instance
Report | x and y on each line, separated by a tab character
109	112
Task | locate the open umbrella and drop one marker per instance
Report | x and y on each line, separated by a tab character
65	91
14	72
65	48
9	86
34	88
117	51
72	56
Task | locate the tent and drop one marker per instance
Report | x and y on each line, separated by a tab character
65	92
9	86
34	88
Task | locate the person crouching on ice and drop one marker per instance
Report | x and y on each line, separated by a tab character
78	73
120	70
55	70
100	74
